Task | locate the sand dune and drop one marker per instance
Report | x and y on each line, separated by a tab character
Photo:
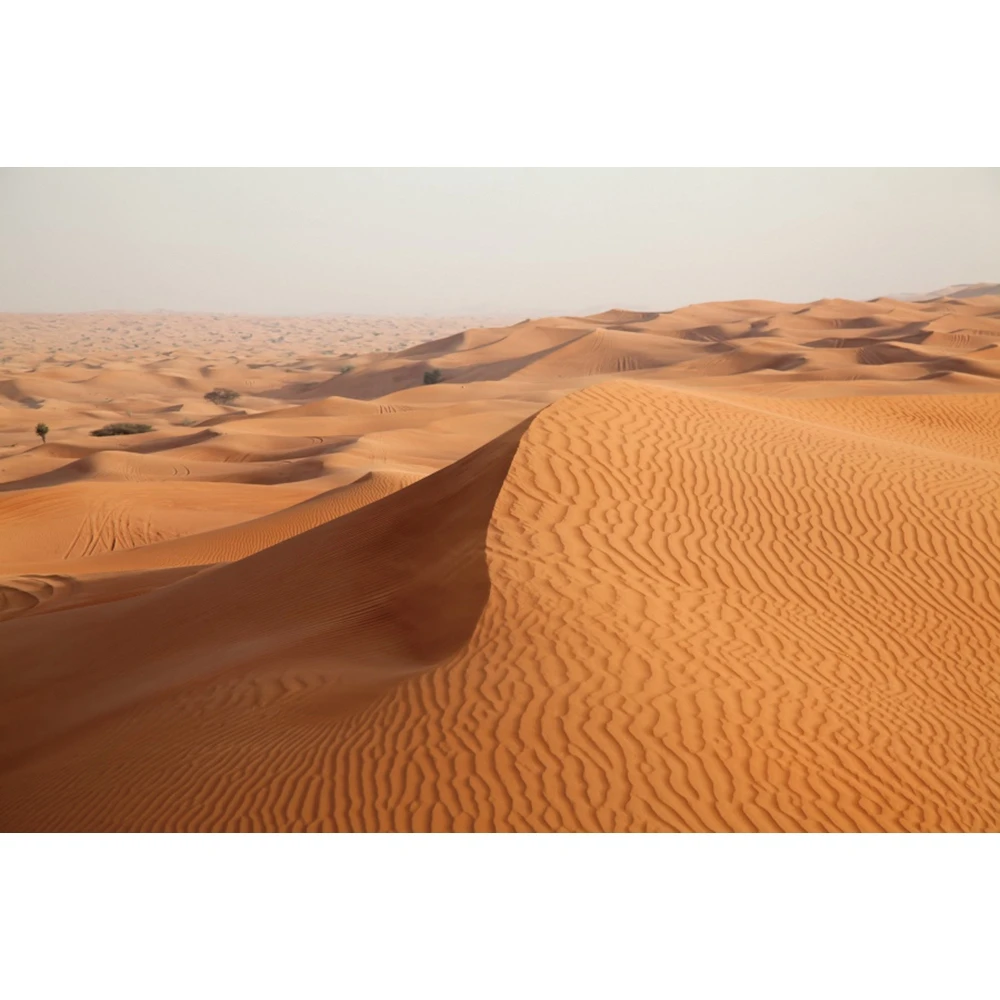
80	519
237	540
955	292
726	568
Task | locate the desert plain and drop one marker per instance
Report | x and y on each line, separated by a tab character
730	567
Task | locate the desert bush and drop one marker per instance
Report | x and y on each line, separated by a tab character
222	397
109	430
41	430
432	376
346	368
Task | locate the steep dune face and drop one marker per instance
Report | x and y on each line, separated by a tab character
365	592
44	593
646	609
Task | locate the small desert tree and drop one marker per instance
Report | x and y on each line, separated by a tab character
41	430
432	376
222	397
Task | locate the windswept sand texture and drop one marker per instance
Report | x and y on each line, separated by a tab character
731	567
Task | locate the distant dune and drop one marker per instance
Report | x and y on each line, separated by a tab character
953	292
727	568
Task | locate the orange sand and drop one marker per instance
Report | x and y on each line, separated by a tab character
731	567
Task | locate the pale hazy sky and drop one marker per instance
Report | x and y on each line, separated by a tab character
458	241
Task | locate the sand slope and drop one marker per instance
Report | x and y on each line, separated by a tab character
649	607
729	567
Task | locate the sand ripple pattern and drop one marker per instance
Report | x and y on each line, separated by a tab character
703	614
708	618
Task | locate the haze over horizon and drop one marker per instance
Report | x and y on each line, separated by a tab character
475	241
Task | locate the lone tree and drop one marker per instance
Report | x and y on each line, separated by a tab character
433	376
41	430
223	397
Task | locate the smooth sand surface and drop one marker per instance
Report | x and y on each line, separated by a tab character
732	567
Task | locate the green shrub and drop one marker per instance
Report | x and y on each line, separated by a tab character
108	430
433	376
222	397
41	430
346	369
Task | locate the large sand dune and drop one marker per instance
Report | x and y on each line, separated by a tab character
731	567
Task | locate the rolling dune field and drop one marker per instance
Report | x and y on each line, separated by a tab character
732	567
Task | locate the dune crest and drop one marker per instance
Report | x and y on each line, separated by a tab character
693	613
730	567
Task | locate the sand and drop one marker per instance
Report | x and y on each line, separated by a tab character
727	568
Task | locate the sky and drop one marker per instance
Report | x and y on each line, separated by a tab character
443	242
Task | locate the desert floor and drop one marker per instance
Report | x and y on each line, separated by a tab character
731	567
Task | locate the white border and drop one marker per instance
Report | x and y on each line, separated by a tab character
499	916
539	83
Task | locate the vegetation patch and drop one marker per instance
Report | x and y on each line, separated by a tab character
222	397
109	430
